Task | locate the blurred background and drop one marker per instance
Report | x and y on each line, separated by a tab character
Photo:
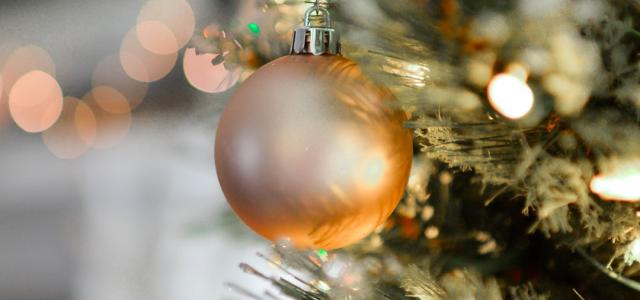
107	123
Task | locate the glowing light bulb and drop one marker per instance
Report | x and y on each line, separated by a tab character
510	96
622	184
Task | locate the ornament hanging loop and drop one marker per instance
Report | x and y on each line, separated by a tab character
316	39
320	11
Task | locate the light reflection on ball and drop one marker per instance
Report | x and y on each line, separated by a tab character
307	150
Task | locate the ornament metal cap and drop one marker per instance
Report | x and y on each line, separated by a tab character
313	39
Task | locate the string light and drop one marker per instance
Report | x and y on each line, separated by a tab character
622	183
510	96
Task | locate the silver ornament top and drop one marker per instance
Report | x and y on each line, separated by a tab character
316	39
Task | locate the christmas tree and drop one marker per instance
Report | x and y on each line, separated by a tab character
526	169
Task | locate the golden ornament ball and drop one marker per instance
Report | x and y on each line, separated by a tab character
308	148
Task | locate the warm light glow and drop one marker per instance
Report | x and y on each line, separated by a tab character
431	232
23	60
109	72
510	96
204	75
623	183
633	252
518	71
157	37
3	105
113	123
141	64
176	16
35	101
74	132
110	99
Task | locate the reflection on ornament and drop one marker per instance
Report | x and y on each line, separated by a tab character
510	96
307	150
203	74
622	183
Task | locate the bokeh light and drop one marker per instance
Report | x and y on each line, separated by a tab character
111	126
25	59
3	105
6	49
35	101
158	16
510	96
110	73
110	100
206	76
621	183
74	132
157	37
141	64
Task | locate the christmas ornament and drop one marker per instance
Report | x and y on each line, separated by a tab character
308	148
